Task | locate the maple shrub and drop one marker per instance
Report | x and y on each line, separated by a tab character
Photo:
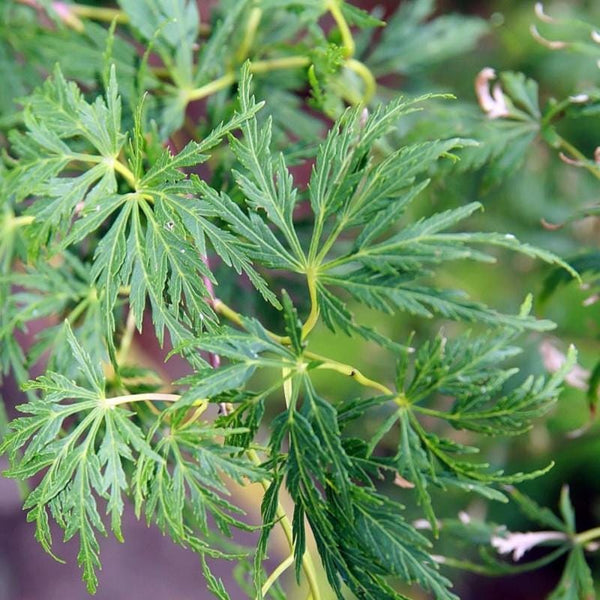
165	176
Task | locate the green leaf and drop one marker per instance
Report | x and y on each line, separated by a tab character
80	466
397	547
214	585
247	351
412	41
293	325
576	582
173	29
186	488
156	235
470	371
266	183
538	514
566	509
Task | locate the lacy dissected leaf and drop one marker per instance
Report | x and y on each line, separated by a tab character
361	537
246	352
471	372
389	264
172	27
185	494
80	464
412	40
267	186
44	291
394	546
157	232
576	582
346	179
425	459
55	115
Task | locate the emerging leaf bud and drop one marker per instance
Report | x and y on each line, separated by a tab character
494	103
364	115
552	44
541	15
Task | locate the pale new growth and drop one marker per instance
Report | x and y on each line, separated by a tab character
552	44
492	103
579	98
403	483
364	116
554	359
541	15
67	16
518	543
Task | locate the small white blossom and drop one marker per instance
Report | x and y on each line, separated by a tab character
519	543
579	98
464	517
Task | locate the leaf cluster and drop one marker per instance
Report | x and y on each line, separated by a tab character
106	219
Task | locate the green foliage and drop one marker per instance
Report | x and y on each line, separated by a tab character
116	205
412	40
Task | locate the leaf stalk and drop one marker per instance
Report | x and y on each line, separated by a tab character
347	40
308	565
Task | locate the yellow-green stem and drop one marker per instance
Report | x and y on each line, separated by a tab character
366	75
276	574
127	337
284	521
335	9
350	371
210	88
226	311
259	66
117	400
98	13
276	64
313	316
587	536
22	220
333	365
125	172
251	27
